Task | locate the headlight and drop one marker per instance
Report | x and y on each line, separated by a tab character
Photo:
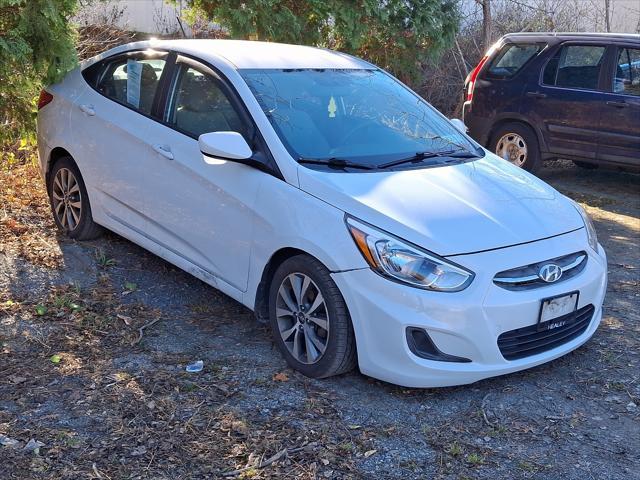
399	260
592	237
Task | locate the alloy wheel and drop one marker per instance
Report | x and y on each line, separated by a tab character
512	148
303	318
67	199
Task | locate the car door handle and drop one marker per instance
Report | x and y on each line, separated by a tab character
164	150
88	109
536	95
618	104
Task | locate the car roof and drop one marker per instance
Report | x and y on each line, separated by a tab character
564	36
246	54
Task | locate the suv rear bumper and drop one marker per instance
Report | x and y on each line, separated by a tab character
479	127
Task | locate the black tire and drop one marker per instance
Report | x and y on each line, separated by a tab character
533	161
585	165
340	354
85	228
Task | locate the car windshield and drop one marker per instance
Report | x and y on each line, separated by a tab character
357	117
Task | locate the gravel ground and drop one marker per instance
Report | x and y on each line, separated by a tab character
116	407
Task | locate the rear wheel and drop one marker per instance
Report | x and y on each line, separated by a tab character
309	319
70	202
518	144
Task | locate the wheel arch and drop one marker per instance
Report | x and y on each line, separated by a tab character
261	303
56	154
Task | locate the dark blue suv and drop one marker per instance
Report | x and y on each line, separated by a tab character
539	96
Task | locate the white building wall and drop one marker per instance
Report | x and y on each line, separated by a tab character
147	16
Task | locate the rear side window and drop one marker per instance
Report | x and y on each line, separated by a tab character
132	82
511	59
575	66
627	77
198	105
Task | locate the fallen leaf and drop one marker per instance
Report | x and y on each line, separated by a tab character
125	319
239	427
368	453
281	377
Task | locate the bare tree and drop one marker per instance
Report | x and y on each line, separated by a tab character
486	22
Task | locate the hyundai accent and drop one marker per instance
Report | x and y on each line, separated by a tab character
316	189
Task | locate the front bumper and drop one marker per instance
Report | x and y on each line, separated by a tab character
464	324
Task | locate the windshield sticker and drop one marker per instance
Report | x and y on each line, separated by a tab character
332	108
134	76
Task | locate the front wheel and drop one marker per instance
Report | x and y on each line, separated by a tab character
309	319
518	144
70	202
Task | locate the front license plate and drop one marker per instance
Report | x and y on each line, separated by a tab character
559	306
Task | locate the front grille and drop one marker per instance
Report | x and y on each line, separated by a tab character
527	277
534	339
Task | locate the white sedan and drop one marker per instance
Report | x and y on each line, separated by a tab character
326	196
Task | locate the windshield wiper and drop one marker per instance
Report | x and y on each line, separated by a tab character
334	162
421	156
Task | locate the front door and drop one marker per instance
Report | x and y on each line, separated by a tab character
201	210
566	102
620	120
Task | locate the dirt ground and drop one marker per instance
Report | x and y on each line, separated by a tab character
95	337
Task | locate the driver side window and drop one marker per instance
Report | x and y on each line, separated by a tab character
198	105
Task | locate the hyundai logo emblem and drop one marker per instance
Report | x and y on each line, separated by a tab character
550	273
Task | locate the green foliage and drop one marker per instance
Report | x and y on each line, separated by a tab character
399	35
36	48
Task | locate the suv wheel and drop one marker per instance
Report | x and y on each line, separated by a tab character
309	319
518	144
70	202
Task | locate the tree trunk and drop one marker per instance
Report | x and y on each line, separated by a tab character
486	23
607	15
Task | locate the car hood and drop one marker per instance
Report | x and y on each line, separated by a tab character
470	207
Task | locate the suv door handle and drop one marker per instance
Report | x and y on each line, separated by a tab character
164	150
618	104
536	95
88	109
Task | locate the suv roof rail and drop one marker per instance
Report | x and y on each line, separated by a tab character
630	36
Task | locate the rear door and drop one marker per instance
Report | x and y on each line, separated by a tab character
566	101
620	120
110	121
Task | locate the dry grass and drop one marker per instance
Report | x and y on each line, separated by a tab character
26	225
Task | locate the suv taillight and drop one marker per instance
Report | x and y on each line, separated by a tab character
471	78
44	99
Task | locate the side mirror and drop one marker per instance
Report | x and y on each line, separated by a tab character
459	124
224	145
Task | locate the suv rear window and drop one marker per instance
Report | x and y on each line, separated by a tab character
511	58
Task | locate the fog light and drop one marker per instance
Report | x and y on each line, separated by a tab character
422	346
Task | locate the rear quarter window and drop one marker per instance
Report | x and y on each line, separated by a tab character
511	58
